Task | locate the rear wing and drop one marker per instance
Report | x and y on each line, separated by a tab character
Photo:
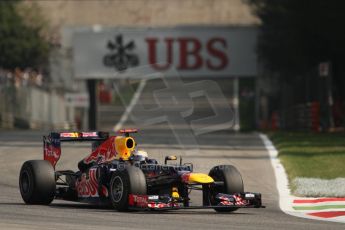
52	142
79	136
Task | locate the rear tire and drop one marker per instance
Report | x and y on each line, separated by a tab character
232	180
37	182
130	180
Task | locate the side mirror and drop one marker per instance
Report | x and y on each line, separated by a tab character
169	158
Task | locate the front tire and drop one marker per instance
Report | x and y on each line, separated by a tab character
37	182
232	180
130	180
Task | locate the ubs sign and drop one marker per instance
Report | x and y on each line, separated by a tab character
196	51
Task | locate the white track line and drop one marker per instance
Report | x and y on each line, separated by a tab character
285	197
280	175
129	108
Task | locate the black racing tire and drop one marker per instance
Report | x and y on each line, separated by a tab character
232	180
130	180
37	182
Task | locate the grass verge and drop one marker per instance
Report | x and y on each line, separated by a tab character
311	155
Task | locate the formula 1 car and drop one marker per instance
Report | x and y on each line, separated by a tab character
116	173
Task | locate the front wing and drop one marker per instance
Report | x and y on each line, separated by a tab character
158	202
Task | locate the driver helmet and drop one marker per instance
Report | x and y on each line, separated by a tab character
140	155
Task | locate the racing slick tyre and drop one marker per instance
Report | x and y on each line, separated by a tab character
232	180
37	182
130	180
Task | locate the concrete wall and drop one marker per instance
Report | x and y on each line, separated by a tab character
146	12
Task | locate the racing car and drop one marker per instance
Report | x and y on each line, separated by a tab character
118	174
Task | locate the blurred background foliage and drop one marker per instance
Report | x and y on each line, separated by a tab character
296	35
22	36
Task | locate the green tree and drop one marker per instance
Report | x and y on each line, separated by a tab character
296	35
20	44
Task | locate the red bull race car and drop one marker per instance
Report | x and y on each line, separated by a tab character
118	174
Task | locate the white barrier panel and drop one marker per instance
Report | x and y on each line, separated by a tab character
36	107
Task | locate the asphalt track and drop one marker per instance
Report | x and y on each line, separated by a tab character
245	151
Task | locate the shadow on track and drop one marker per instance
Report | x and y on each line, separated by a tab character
102	208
